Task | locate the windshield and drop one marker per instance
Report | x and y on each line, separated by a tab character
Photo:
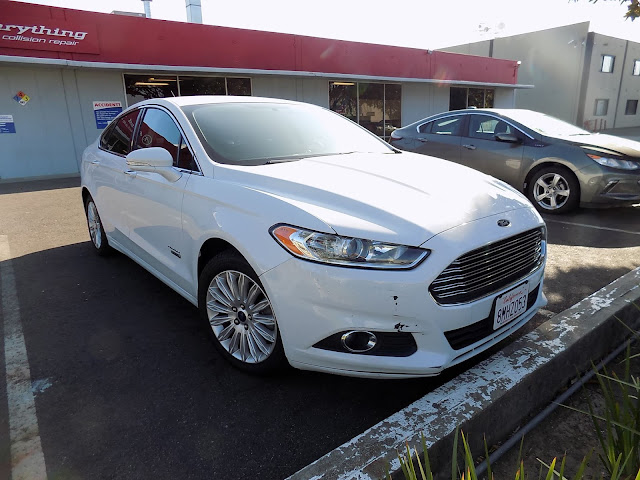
545	124
261	133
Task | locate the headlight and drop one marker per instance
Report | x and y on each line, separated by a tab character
614	162
346	251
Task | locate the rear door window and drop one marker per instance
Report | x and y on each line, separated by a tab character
447	126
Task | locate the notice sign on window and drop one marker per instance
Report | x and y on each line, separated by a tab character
105	112
6	124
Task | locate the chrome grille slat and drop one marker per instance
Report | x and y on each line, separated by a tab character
499	259
501	246
471	287
488	269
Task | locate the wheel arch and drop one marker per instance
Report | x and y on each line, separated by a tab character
549	163
85	195
211	248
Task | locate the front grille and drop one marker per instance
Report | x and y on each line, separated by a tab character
465	336
488	269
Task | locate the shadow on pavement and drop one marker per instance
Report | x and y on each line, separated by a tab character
39	185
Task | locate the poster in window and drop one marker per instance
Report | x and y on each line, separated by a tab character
105	112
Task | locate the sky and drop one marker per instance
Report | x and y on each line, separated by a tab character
425	24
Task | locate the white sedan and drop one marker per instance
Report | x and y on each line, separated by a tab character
304	239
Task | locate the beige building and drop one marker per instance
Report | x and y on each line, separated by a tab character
583	77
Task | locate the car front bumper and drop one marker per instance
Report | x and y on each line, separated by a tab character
314	301
602	186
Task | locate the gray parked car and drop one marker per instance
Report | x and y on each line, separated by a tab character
556	164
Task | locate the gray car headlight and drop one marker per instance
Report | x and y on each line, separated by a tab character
346	251
614	162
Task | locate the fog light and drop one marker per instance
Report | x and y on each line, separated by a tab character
358	342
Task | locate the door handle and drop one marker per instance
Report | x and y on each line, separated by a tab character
131	173
469	147
423	140
95	162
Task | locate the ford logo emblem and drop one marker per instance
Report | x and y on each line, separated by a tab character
504	223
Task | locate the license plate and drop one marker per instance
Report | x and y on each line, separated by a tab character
510	305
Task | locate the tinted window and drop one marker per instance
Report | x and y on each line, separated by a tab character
158	129
425	128
447	126
257	133
486	127
117	138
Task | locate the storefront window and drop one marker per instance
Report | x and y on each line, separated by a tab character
238	86
392	108
143	87
375	106
460	98
202	86
343	99
457	98
371	100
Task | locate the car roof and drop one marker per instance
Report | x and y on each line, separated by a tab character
213	99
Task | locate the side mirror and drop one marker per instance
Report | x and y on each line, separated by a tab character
155	160
507	138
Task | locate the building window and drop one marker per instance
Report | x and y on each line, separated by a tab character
636	68
460	98
607	63
143	87
631	108
602	105
375	106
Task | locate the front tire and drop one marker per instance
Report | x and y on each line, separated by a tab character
96	230
239	315
554	190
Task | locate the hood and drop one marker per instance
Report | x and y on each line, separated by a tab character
401	198
603	142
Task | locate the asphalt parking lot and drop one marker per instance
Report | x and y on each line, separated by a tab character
127	385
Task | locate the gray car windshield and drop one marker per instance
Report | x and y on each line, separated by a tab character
545	124
263	133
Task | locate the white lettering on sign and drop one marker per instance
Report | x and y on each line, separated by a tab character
41	30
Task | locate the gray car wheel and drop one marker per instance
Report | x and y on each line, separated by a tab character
239	315
554	190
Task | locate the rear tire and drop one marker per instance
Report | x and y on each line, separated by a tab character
96	230
554	189
239	316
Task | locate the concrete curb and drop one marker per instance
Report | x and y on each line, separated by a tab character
498	394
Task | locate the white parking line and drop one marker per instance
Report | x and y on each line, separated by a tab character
27	459
591	226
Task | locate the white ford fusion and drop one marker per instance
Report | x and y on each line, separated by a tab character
304	239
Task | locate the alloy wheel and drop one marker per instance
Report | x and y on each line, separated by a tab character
241	317
551	191
93	220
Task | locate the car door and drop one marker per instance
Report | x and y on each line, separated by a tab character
106	171
441	137
483	150
154	213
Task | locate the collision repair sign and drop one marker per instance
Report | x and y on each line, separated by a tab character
6	124
105	112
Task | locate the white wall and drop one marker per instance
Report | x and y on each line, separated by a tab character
505	97
44	140
419	100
